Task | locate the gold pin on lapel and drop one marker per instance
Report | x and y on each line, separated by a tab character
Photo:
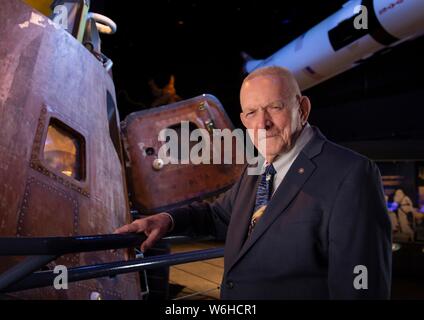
301	171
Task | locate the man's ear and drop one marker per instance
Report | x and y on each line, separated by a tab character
304	109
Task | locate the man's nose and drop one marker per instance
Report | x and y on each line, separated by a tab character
264	121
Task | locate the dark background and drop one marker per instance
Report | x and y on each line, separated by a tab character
200	43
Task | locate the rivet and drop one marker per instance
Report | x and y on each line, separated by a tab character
396	247
95	296
157	164
301	171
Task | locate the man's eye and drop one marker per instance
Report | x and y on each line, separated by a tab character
250	114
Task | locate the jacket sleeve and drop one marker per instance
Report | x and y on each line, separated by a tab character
206	219
360	237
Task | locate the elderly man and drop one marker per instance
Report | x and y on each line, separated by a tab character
314	225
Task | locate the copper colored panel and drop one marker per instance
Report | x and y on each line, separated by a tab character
47	76
34	219
174	184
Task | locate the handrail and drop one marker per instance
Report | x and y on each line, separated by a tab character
46	278
42	250
21	246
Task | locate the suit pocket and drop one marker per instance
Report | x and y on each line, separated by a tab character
305	210
304	216
304	221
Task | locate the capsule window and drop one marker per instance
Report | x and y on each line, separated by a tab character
64	150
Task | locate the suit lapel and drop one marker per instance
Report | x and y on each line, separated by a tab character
300	171
240	219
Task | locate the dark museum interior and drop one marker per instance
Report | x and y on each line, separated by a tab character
200	43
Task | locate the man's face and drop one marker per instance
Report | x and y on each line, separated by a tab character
267	104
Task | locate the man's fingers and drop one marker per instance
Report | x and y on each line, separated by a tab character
123	229
153	227
153	237
137	226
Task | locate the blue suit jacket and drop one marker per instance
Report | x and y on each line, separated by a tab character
320	224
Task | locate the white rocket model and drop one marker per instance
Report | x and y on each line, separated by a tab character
350	35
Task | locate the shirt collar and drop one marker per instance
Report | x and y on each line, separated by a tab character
285	158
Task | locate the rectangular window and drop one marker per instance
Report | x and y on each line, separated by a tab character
64	150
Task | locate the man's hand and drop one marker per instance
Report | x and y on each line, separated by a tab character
154	227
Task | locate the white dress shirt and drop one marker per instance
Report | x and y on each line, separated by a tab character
284	161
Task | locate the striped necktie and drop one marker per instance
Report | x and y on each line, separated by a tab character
263	195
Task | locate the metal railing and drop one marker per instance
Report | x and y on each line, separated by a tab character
41	251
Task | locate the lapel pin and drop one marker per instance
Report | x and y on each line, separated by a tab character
301	171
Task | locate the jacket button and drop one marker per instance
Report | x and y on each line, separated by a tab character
230	284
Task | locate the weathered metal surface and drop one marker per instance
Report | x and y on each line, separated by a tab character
155	187
46	74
